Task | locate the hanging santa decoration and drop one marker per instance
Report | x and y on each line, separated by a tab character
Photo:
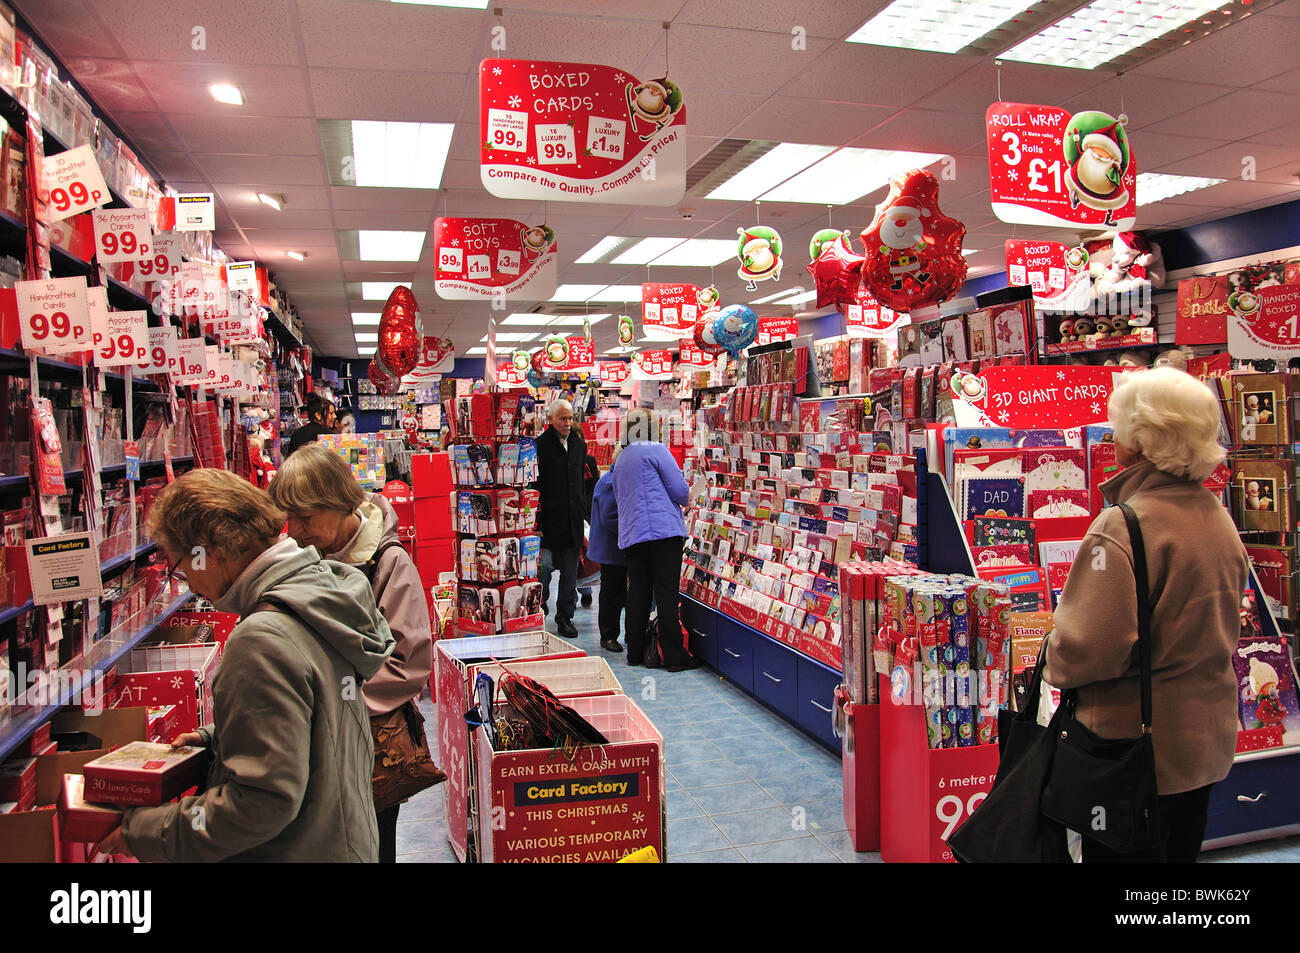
626	330
400	342
914	257
759	251
708	299
1097	152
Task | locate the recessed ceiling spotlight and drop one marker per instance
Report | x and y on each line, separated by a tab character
297	255
270	200
227	93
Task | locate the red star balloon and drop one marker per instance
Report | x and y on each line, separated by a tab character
400	345
836	272
913	250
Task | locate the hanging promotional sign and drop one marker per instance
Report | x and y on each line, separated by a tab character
865	317
162	355
1050	167
773	330
1056	274
1265	323
64	568
437	355
241	275
510	376
692	357
482	258
580	132
52	315
652	366
196	212
190	368
163	260
572	354
613	373
1034	396
71	183
668	311
122	234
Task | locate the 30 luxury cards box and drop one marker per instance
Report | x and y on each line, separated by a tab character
142	773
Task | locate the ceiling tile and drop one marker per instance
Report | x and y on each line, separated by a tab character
261	216
785	119
360	198
175	166
1238	115
1283	135
388	94
703	60
854	73
69	27
396	36
112	83
1259	47
150	132
1288	82
923	130
247	135
296	197
273	171
1147	99
828	18
582	38
1153	151
165	30
1229	162
400	220
183	88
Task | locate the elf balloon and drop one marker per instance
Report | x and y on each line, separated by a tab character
836	272
704	339
400	345
759	250
735	327
914	257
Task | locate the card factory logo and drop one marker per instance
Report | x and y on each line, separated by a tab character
101	907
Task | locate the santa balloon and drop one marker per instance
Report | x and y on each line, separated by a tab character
914	257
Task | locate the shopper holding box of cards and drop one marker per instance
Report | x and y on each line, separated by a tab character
291	745
1166	437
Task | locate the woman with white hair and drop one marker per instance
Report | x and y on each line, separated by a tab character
1166	437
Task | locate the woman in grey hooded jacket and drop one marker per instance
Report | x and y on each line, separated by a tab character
291	745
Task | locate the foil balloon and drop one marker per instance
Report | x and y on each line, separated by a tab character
556	349
626	330
836	272
914	257
735	327
382	377
400	345
534	378
536	362
759	251
704	334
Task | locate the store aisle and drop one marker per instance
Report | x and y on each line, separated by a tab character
743	786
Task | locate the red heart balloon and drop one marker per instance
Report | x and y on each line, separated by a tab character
399	345
913	250
836	273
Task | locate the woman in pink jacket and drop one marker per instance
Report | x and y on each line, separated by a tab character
328	509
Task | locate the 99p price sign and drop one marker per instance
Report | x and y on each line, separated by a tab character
53	315
163	259
161	357
74	181
122	234
1050	167
124	338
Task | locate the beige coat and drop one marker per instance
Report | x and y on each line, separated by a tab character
1198	572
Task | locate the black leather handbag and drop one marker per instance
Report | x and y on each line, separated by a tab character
1106	788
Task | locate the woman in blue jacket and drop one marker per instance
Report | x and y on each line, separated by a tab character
651	492
602	546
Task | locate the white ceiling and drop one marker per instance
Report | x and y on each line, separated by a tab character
1197	110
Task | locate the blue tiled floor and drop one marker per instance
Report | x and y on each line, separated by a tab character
742	785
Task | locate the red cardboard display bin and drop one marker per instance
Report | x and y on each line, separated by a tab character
861	766
925	794
456	663
180	675
431	475
597	806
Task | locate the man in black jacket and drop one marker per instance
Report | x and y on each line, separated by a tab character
561	452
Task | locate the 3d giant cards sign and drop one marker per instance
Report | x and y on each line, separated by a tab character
1048	167
1036	396
669	311
580	132
1056	274
1265	323
492	257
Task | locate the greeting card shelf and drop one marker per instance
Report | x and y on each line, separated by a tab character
55	145
119	563
80	675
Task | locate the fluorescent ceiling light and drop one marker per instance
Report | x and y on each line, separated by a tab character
227	93
274	201
475	351
773	297
1107	29
513	336
367	337
578	292
617	293
969	251
380	290
1156	186
576	321
700	252
365	319
389	246
599	250
367	350
946	26
646	251
463	4
799	298
769	170
847	175
400	155
297	255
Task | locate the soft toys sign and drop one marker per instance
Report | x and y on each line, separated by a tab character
652	366
914	257
759	250
580	132
482	258
668	311
1048	167
1032	397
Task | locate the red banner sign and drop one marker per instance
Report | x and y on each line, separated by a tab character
652	365
491	257
668	311
612	373
692	357
510	376
1265	323
580	132
1048	268
774	330
1034	396
868	318
1048	167
568	354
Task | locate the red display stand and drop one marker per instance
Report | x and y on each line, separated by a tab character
861	766
925	794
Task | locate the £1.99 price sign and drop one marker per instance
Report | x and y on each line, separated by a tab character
53	315
74	182
122	234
